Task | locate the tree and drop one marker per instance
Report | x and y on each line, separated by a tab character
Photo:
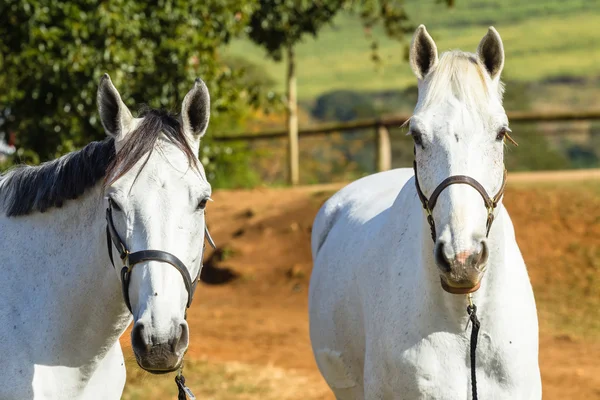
278	25
52	55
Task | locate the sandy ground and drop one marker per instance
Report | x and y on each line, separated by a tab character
254	311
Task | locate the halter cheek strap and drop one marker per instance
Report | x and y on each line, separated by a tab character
130	260
490	202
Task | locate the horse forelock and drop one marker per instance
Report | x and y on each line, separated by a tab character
142	141
462	76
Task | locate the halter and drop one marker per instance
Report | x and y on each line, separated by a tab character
490	202
130	260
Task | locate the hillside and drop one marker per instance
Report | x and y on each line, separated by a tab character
545	40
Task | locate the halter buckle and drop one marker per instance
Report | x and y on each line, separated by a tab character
490	220
125	259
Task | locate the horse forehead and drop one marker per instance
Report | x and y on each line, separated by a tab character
181	180
461	117
170	161
454	121
166	177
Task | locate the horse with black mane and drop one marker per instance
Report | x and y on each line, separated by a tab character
136	198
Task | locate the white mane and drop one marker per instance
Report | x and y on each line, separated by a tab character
460	75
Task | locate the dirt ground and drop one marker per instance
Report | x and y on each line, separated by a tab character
254	310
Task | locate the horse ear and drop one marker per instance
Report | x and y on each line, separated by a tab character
491	53
195	110
423	53
114	114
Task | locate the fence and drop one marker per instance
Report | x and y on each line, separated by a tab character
381	127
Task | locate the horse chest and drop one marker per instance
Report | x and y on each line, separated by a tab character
437	366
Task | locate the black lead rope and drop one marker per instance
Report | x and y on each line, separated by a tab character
475	325
183	392
180	381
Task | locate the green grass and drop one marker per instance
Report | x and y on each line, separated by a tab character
223	381
542	38
205	381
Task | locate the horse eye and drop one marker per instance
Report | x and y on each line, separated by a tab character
202	204
114	204
417	137
501	133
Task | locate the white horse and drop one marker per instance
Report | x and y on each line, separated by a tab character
385	318
61	307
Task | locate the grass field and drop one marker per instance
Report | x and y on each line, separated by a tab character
249	337
225	381
543	39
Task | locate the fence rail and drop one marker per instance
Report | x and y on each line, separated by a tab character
381	126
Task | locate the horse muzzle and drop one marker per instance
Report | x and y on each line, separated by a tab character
159	354
159	361
461	273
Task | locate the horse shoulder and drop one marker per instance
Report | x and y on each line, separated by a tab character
340	247
358	202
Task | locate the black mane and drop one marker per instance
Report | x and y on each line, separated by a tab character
27	189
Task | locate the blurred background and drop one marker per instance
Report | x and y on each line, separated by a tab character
327	81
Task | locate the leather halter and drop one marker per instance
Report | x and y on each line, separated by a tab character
130	260
490	202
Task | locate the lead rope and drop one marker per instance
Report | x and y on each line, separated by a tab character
475	325
183	392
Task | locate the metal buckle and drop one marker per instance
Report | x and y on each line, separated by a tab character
125	259
490	220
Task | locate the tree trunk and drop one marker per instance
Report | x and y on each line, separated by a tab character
292	119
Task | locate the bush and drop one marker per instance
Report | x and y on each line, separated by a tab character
343	105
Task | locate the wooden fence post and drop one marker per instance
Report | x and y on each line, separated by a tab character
292	121
384	149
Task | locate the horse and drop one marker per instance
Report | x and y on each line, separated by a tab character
386	302
137	198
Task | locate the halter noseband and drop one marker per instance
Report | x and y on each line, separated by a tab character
429	204
130	260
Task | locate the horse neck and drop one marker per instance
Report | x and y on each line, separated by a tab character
452	306
80	299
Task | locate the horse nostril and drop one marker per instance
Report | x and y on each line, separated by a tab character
441	259
138	339
483	255
181	341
